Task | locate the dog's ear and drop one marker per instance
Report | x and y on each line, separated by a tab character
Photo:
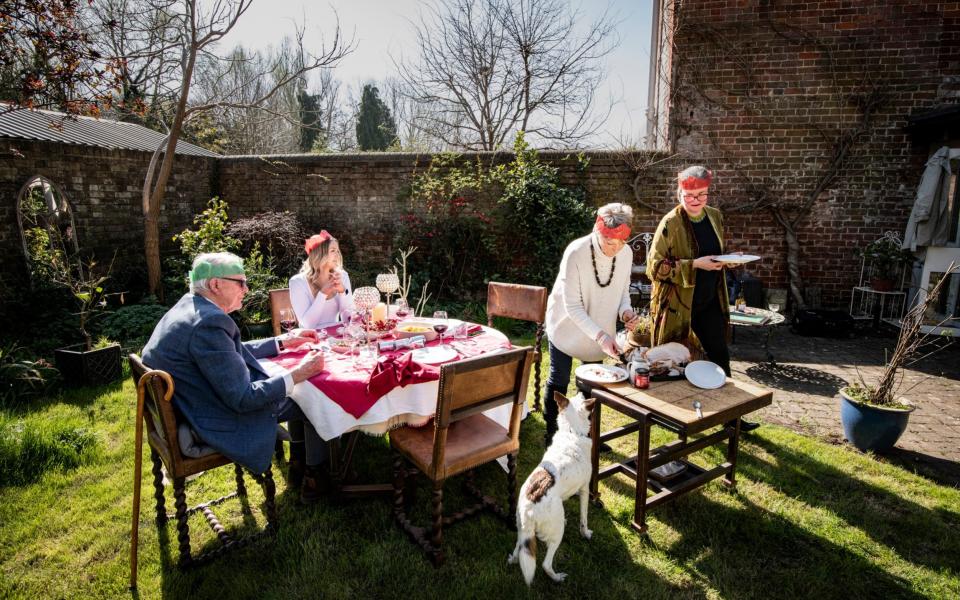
561	400
588	404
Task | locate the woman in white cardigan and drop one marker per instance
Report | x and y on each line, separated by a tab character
321	291
592	289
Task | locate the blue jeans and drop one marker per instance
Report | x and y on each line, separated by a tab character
558	380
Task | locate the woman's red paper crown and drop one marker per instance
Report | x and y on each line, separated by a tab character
315	240
696	183
620	232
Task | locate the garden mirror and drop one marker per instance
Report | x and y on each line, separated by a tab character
46	225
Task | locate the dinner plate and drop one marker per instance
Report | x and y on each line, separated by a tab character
705	374
601	373
736	259
434	355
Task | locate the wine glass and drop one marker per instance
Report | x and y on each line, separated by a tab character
355	334
774	306
288	319
388	283
403	309
441	326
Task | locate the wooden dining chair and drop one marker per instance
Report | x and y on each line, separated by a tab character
279	300
461	439
524	303
156	411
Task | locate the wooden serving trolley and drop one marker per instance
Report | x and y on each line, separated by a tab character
670	404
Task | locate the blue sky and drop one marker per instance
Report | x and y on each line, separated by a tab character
382	28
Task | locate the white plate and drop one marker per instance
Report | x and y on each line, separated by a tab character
434	355
736	259
601	373
705	374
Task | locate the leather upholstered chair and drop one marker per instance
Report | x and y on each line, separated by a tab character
461	439
155	410
524	303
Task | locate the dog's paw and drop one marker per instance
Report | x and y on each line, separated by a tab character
511	559
558	577
585	532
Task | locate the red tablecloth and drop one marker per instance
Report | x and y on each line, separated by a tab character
357	388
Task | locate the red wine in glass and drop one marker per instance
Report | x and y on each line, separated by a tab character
288	324
440	328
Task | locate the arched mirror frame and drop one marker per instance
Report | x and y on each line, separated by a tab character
60	197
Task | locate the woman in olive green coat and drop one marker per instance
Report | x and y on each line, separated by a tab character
689	301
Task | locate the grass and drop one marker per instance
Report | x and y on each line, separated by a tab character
808	519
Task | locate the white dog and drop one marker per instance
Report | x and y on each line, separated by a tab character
563	472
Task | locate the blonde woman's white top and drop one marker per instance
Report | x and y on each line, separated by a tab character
578	308
315	311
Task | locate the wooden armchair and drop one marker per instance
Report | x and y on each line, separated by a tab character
155	409
279	300
524	303
462	439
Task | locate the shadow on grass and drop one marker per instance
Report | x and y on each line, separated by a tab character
918	534
938	470
354	549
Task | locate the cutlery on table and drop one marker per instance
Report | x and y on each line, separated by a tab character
697	406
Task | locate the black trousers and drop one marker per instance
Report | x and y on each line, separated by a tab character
711	328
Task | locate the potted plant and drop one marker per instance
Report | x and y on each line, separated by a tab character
885	259
87	363
639	336
874	416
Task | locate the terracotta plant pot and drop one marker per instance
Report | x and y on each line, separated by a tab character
872	428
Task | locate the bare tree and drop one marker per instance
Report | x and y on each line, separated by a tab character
200	27
487	68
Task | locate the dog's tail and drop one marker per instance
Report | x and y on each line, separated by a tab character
528	555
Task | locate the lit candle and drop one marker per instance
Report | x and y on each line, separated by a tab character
379	313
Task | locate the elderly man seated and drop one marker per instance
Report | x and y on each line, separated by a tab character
229	401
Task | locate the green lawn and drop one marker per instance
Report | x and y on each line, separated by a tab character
809	519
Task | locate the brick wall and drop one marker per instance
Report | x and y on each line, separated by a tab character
104	190
358	197
761	91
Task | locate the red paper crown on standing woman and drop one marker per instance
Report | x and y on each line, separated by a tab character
620	232
695	183
315	240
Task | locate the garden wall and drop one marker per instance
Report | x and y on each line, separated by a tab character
104	189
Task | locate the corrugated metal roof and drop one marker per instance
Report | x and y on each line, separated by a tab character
86	131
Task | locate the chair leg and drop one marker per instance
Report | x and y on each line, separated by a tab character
399	483
270	500
512	490
436	529
183	527
241	487
537	358
158	487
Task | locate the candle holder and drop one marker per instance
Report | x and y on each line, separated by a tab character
388	283
365	298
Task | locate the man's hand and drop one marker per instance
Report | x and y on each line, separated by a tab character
707	263
298	337
309	365
608	345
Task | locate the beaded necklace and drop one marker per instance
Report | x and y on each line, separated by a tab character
697	219
596	274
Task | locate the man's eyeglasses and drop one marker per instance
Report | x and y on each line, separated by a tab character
241	282
700	196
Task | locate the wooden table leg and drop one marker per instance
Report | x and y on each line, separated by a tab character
732	446
595	454
643	461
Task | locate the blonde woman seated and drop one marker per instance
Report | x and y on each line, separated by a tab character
321	291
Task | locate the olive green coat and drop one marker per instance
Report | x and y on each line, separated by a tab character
670	268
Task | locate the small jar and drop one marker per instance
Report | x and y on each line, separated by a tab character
641	377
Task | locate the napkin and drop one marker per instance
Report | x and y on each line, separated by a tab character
397	371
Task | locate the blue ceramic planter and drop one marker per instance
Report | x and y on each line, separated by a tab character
871	428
